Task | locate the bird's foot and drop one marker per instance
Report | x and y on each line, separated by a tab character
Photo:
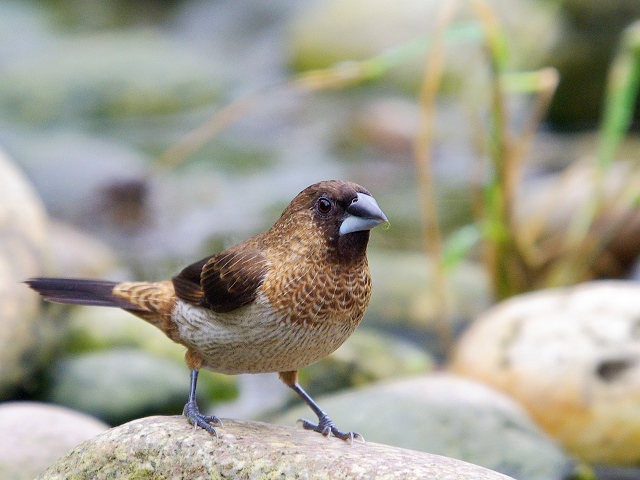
326	427
197	419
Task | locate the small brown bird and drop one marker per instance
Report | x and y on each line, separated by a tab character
277	302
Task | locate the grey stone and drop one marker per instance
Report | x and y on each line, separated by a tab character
23	248
447	415
571	356
119	385
33	435
366	357
92	329
404	299
168	447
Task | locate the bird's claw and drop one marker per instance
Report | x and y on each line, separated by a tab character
197	419
326	427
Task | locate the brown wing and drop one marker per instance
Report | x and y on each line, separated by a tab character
187	282
223	282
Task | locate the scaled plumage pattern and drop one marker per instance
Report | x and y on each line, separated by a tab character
277	302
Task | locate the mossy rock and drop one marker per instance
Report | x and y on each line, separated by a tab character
168	447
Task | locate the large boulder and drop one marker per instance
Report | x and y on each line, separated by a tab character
122	384
23	248
33	435
571	356
168	447
447	415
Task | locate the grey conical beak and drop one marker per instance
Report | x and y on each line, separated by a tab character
363	214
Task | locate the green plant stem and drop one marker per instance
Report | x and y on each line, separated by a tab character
581	242
621	94
500	190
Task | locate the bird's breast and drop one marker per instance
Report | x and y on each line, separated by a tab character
319	294
294	322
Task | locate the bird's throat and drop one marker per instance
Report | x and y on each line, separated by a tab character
352	247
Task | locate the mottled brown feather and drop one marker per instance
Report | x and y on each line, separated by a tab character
231	279
152	301
225	281
187	282
315	276
276	302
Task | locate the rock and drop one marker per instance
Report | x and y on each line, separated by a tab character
257	394
366	357
571	356
91	329
23	247
34	435
547	211
451	416
168	447
119	385
326	33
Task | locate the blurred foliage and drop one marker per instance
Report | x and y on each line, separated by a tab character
520	253
514	253
586	47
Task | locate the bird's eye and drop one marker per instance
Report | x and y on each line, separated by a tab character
324	206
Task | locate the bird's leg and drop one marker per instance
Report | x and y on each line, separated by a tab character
192	412
325	425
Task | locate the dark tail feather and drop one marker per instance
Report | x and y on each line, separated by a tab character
76	291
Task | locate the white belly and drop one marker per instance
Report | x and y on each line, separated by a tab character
252	339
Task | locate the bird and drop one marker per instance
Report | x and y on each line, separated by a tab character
275	303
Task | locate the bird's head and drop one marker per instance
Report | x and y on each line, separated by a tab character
340	213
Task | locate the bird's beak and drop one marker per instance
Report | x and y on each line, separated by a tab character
363	214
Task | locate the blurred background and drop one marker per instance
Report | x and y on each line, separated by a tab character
497	135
